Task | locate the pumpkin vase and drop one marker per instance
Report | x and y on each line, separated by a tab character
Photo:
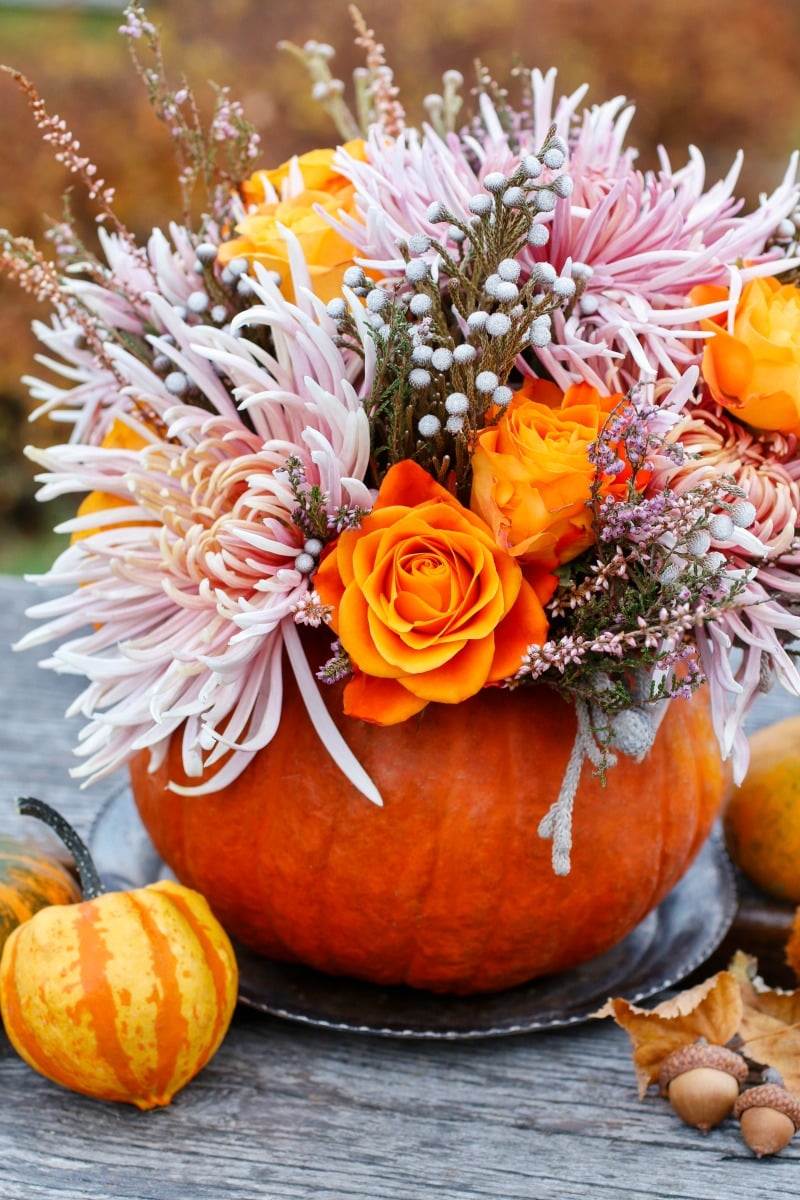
448	886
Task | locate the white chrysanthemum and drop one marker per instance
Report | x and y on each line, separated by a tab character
184	577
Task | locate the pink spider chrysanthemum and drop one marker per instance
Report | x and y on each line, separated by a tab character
185	572
109	304
649	238
400	179
645	239
765	467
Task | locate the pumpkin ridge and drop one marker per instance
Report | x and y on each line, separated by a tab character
697	780
326	936
213	957
180	858
20	1035
28	882
492	921
16	902
263	840
314	860
20	868
416	954
654	883
507	904
97	1001
170	1025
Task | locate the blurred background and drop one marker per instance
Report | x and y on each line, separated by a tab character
721	77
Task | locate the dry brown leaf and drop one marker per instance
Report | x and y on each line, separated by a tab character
770	1022
712	1011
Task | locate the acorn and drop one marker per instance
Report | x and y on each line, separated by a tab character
702	1082
769	1117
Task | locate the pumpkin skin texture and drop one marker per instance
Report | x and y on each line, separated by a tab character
29	880
448	886
123	997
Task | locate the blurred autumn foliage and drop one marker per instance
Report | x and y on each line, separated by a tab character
722	78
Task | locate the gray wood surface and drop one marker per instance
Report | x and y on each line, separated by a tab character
286	1111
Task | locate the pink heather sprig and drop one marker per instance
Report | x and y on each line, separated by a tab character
389	112
136	24
551	655
63	238
228	119
649	518
655	579
337	667
21	261
633	426
670	625
313	514
197	147
664	520
345	517
35	274
665	637
599	579
310	610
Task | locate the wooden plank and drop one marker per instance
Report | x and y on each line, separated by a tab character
285	1112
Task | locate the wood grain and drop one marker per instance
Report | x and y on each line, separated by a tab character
284	1111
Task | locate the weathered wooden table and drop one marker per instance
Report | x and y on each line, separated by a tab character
285	1110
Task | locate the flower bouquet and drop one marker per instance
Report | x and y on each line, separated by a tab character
417	472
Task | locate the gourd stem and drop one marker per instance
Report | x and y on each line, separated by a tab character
91	883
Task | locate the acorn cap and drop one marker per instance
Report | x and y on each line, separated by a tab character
701	1054
769	1095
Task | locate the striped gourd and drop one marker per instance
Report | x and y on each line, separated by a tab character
29	880
125	996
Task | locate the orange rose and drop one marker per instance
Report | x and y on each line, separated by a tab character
316	169
326	252
425	603
755	373
531	474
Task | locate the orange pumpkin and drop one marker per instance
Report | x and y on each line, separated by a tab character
448	886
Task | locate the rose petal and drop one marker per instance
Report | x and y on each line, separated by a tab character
379	701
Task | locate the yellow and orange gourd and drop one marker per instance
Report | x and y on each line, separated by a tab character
125	996
448	886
